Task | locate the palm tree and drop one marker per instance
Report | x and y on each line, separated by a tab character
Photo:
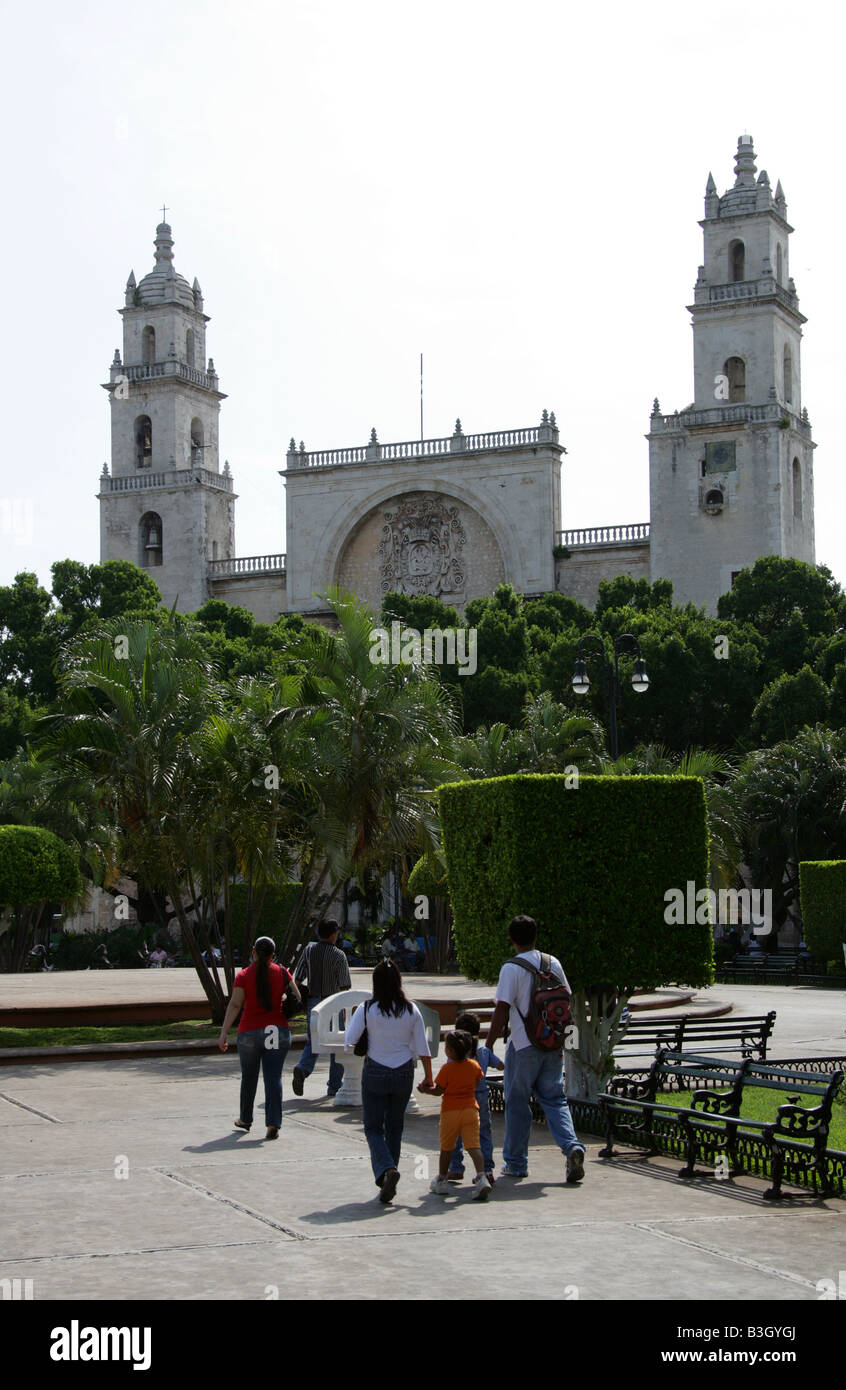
141	728
794	796
552	738
380	739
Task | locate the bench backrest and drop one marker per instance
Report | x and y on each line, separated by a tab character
739	1032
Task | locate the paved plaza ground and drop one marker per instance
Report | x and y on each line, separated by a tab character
206	1212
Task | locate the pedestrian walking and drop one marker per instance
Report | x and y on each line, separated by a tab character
324	970
263	1033
528	1068
396	1036
469	1023
456	1082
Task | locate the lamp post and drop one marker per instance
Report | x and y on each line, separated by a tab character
610	677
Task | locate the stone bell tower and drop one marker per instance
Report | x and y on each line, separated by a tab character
166	506
731	476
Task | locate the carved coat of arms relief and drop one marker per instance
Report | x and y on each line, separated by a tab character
420	549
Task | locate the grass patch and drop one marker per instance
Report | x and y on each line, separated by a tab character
198	1029
762	1104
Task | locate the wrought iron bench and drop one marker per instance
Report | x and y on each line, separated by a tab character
746	1034
792	965
796	1140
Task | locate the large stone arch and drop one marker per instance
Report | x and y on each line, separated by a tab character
349	552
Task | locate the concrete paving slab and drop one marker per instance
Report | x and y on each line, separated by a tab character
207	1212
623	1261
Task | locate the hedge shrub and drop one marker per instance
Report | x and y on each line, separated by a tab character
591	864
822	898
36	866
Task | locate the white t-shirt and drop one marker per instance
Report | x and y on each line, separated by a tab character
390	1041
516	986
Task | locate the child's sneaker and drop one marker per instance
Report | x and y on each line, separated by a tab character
481	1188
440	1186
491	1179
455	1177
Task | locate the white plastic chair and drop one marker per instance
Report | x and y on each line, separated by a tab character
327	1035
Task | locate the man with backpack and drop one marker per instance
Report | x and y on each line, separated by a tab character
532	998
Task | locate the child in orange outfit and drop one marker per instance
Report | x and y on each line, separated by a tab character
456	1082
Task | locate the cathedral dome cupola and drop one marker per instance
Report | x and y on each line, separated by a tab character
164	284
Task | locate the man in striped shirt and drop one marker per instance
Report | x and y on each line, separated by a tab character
324	968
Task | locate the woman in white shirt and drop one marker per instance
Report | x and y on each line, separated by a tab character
396	1035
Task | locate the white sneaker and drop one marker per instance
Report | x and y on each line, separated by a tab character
481	1188
440	1186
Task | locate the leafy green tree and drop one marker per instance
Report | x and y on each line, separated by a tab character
28	644
240	646
36	869
103	591
790	604
17	717
637	594
788	705
793	796
419	611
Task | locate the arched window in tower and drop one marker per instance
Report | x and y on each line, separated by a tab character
189	347
143	442
797	489
779	266
735	370
197	443
737	261
788	374
151	540
148	346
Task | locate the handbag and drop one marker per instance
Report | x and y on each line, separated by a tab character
291	1005
360	1049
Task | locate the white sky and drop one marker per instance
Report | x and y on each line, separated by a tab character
512	189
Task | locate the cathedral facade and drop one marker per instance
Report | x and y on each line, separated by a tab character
731	475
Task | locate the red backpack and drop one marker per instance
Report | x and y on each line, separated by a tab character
548	1020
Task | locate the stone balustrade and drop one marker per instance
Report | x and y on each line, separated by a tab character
150	370
766	287
245	565
176	477
738	414
636	533
545	433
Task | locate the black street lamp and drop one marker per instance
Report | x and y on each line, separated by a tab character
610	678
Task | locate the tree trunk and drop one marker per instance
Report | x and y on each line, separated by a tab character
589	1062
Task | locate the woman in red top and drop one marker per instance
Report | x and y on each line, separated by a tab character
263	1033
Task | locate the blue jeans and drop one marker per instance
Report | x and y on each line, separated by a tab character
385	1092
526	1071
256	1053
308	1058
456	1163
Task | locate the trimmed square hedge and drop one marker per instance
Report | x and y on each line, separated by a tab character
822	898
591	864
